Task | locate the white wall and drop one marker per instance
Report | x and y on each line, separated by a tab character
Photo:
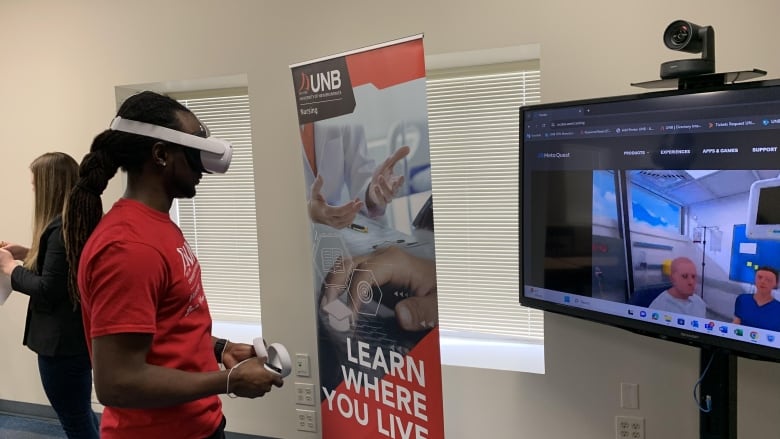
62	60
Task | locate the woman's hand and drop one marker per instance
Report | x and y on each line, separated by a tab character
19	252
7	262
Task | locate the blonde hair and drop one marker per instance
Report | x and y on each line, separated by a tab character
54	174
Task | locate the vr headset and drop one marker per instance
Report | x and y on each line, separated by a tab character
215	154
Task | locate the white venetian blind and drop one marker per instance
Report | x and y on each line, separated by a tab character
474	128
220	223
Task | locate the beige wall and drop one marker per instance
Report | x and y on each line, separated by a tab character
60	62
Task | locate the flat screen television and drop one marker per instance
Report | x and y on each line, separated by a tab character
655	212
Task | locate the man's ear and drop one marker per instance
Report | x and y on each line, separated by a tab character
160	153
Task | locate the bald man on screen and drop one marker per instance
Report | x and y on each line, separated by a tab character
681	298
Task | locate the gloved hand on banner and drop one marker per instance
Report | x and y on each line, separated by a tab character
345	180
321	212
392	269
384	184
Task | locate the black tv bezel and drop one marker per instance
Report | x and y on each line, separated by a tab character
669	333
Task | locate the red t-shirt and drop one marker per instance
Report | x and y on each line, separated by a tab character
137	274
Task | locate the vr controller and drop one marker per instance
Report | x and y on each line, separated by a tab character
278	359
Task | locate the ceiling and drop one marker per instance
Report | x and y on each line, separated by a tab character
696	186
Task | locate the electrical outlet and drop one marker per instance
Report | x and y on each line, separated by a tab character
305	420
304	393
629	427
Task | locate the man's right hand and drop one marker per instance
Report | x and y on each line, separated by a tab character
252	380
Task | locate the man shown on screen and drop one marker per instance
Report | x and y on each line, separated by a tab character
680	298
760	309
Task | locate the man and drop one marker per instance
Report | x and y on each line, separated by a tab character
681	297
145	314
760	309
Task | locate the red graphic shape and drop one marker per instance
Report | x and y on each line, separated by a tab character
382	68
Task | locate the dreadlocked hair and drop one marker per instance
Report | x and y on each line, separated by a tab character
110	151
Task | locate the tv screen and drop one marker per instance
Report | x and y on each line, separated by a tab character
637	211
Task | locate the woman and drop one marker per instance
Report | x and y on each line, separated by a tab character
54	328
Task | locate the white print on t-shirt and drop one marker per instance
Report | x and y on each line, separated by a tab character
192	274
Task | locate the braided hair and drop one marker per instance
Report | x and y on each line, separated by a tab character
110	151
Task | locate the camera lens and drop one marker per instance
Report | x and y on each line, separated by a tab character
680	35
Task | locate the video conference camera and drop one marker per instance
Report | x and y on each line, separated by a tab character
689	37
687	74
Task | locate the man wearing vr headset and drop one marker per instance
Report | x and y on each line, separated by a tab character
145	314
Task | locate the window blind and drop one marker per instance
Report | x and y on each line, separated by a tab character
220	222
474	129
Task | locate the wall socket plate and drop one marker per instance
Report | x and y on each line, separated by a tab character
304	393
629	427
305	420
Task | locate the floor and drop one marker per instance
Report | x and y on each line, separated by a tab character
22	427
27	427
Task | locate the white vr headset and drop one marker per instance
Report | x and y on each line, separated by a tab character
215	153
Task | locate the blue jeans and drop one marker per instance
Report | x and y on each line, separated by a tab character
220	432
67	381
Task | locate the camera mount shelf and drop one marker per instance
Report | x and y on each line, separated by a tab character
702	81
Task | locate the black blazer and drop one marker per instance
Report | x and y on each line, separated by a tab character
54	325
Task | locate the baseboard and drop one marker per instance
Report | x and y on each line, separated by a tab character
231	435
18	408
41	411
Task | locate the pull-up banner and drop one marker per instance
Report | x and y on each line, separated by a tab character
364	148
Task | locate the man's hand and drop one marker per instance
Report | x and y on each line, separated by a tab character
251	379
236	353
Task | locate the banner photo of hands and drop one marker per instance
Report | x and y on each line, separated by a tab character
364	147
